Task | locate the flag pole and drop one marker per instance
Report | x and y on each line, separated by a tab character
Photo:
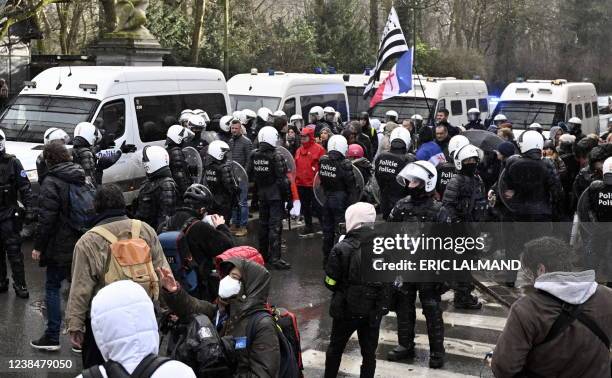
414	63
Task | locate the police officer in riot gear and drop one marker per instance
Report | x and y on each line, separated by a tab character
249	124
197	124
268	169
178	137
465	200
184	117
315	117
339	183
417	120
329	117
446	170
388	165
593	171
264	118
499	119
474	121
574	126
419	206
219	178
14	185
158	194
197	199
86	135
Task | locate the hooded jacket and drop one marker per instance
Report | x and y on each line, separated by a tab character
577	351
307	159
124	326
262	359
54	238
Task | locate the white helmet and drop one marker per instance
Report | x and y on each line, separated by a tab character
575	121
279	113
154	158
224	123
53	133
535	126
184	117
196	122
249	114
316	111
268	134
337	143
198	111
607	171
239	115
2	140
178	134
455	143
402	134
329	110
500	118
531	140
391	116
297	121
188	111
422	170
87	131
417	117
466	152
473	114
217	149
264	113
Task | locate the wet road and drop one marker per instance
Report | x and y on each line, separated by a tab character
469	334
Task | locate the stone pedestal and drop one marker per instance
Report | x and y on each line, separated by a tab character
118	51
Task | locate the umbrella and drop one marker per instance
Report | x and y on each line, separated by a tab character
485	140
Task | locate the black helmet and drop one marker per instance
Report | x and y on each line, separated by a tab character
198	196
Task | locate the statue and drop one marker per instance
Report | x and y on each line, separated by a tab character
131	20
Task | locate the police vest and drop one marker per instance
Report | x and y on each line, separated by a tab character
213	177
600	196
8	182
263	169
331	174
446	172
409	210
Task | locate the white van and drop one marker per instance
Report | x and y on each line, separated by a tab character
355	85
549	102
431	94
133	104
293	93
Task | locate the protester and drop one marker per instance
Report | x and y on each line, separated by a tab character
324	136
240	149
126	332
557	329
307	165
429	150
442	116
368	129
442	138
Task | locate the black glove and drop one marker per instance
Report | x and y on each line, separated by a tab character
127	148
29	217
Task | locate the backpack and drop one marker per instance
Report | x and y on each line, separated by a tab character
81	208
129	259
177	254
201	349
288	334
113	369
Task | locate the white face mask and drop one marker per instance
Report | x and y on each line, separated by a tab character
208	220
228	287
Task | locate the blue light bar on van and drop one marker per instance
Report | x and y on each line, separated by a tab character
318	70
90	87
331	70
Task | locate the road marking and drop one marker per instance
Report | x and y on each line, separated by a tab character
387	369
457	347
455	319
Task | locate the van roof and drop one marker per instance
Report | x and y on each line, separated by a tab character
116	80
277	85
436	87
557	91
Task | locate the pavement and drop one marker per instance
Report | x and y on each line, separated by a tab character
469	334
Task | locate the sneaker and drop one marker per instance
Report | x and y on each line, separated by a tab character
44	343
76	350
241	232
21	291
400	353
4	286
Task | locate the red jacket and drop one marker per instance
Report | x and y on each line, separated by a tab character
307	160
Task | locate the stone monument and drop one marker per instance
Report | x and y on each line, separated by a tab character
131	43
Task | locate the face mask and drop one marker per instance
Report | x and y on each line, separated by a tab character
417	192
228	287
469	169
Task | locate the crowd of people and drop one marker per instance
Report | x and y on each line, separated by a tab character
339	173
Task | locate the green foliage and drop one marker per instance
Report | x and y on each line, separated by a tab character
460	63
171	27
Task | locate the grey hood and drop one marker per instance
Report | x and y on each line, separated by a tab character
572	287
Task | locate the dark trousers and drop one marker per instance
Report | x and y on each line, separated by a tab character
332	215
53	284
10	248
90	354
340	335
308	204
429	296
270	226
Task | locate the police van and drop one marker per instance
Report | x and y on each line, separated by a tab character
132	104
355	85
549	102
293	93
431	94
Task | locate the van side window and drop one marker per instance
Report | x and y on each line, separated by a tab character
289	107
578	110
587	110
469	104
111	119
569	114
595	108
336	101
155	114
441	105
456	107
483	105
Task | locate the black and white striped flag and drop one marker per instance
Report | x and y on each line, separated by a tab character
392	45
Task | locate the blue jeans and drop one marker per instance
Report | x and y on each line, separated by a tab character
240	213
55	276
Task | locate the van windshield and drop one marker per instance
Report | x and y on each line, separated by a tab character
406	107
524	113
240	102
27	117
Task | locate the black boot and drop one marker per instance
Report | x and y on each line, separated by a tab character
400	353
21	291
280	264
4	285
467	302
436	360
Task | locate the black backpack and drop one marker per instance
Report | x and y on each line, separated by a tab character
201	349
81	208
145	368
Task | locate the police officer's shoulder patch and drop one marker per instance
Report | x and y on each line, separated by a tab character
23	173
